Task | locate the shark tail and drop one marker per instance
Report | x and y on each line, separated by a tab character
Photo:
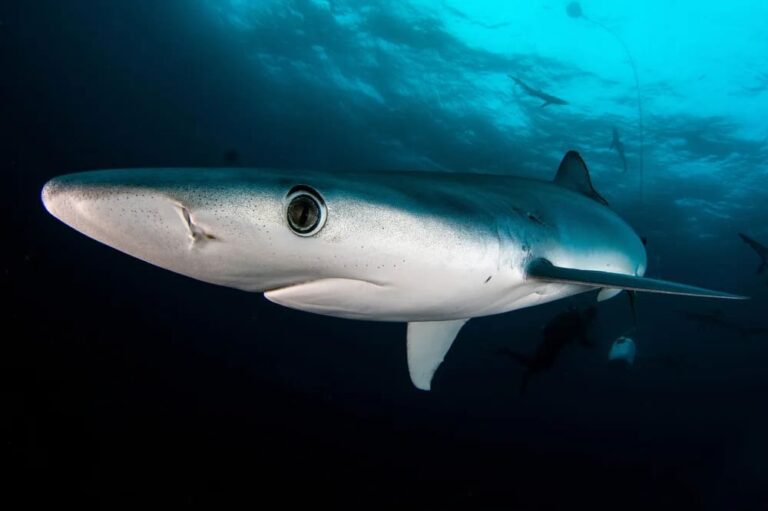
760	249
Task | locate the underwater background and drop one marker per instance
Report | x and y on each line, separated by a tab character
125	384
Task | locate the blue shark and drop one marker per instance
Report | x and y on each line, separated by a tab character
618	146
430	249
548	99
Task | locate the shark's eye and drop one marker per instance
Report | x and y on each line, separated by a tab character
306	211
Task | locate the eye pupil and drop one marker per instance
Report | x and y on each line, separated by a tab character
304	213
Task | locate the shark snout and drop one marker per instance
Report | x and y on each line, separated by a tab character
64	197
84	201
164	217
141	221
55	196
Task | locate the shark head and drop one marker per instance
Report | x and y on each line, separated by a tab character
334	244
212	226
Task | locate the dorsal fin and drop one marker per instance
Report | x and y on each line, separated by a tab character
573	174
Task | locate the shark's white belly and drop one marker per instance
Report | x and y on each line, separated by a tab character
428	299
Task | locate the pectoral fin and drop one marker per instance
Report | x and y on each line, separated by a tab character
428	342
542	269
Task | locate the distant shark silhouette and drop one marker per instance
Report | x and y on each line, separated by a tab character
761	250
548	98
715	319
562	330
461	15
618	145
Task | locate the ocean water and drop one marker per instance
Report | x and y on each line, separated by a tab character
124	384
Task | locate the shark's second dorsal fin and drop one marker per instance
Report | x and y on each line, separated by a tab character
573	174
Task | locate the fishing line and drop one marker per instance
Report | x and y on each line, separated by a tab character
573	10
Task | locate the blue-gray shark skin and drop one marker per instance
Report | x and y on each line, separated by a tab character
430	249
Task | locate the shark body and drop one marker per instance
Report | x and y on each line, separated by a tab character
717	320
429	249
547	98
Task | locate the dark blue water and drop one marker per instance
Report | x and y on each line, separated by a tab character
125	384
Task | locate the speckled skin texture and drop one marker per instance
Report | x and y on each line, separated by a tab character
397	246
